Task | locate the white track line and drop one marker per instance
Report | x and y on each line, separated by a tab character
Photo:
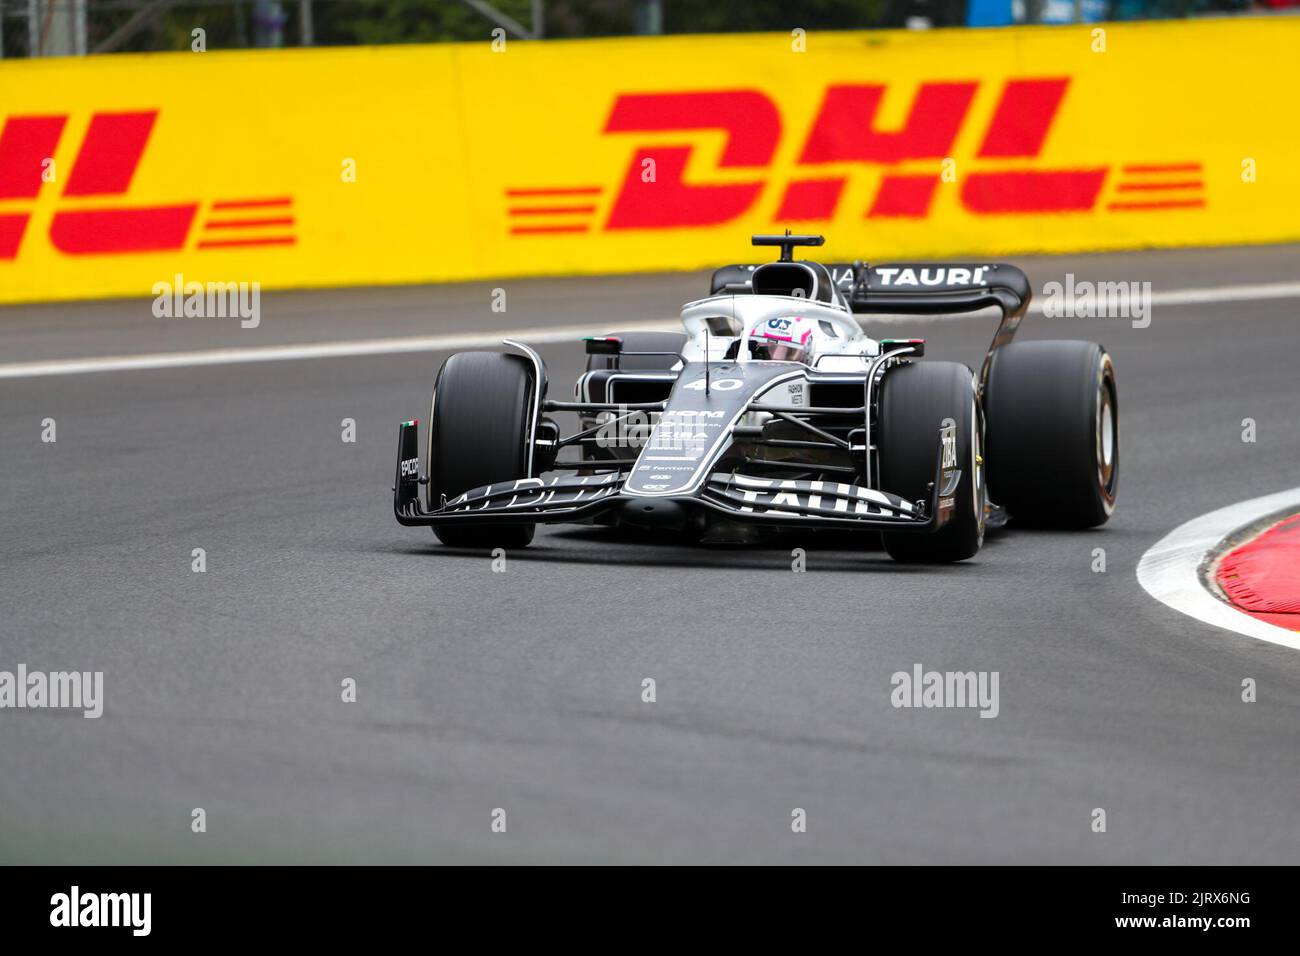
543	335
314	350
1222	293
1169	571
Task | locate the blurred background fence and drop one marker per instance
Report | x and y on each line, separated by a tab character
72	27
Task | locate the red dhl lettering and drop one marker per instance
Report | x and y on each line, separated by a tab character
845	131
105	165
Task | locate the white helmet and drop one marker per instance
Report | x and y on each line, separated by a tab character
783	340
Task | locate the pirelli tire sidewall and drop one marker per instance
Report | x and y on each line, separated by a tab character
479	423
1052	412
914	401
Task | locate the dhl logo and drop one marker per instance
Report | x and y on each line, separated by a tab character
102	172
845	133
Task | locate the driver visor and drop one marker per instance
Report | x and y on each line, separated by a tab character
785	351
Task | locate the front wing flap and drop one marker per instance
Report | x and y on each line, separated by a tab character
782	497
742	498
562	498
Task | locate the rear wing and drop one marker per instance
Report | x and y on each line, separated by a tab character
910	288
925	288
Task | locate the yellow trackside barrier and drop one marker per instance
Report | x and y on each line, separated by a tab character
430	163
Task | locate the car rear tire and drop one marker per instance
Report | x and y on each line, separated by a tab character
1053	433
478	435
914	401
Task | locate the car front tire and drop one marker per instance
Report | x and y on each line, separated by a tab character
478	435
914	401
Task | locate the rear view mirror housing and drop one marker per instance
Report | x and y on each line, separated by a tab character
604	345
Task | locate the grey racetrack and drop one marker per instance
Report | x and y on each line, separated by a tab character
522	690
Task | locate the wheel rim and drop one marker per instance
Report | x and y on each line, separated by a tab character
1107	450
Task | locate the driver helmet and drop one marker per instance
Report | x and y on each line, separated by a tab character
783	340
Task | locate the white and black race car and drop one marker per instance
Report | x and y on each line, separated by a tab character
773	409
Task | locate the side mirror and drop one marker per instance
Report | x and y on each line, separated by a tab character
604	345
917	346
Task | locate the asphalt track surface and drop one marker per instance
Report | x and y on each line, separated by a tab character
522	690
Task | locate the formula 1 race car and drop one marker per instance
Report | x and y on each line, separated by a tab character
773	409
